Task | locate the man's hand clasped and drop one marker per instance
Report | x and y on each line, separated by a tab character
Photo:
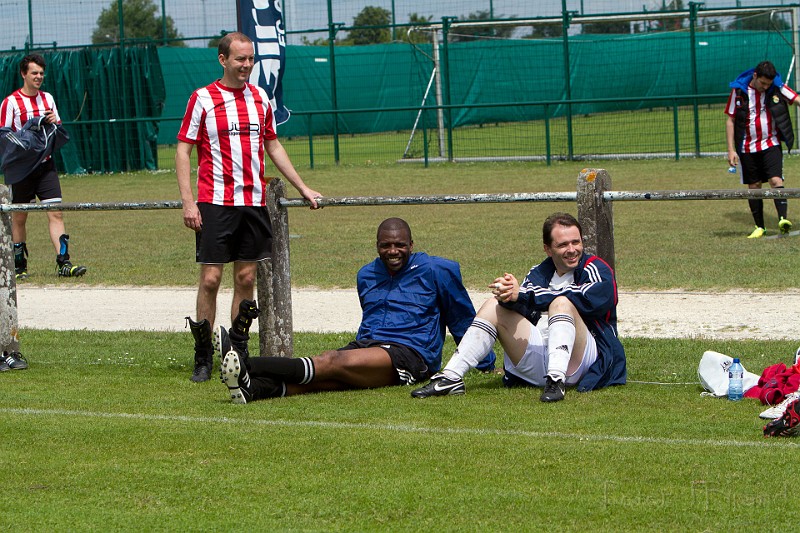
505	288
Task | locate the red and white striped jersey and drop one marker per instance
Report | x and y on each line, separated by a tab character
761	132
230	128
18	108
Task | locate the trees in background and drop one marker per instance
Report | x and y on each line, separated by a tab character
140	20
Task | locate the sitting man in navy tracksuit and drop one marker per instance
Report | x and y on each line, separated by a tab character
407	301
579	345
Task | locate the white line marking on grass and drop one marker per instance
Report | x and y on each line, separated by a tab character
662	383
404	428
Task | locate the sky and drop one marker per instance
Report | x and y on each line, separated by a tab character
71	22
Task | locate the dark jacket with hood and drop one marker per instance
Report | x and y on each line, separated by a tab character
24	150
777	107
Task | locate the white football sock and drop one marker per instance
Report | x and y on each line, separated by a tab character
474	346
560	340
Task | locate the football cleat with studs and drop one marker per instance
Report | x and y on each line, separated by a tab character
439	385
788	425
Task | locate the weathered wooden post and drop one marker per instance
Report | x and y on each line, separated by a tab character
274	281
9	321
595	215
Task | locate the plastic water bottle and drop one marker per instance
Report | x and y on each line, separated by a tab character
731	169
735	375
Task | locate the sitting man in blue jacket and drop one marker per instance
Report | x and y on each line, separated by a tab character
579	346
407	301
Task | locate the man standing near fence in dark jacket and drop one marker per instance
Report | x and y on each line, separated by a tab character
43	183
758	121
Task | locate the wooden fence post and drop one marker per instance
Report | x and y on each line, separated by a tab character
595	215
274	281
9	320
264	299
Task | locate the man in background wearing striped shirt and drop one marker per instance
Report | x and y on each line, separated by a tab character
24	104
758	120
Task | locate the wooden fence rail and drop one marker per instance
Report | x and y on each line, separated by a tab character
593	196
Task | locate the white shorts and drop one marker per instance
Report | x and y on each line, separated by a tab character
533	365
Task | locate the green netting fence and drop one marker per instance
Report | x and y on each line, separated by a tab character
102	96
632	94
521	74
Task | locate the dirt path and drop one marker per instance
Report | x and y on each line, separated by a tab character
727	315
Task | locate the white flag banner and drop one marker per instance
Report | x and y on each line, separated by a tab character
262	21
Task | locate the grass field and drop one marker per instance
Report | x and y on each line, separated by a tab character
704	241
105	431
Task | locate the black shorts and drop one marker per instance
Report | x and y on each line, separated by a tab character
759	167
42	183
410	365
233	233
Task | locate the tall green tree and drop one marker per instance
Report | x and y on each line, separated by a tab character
709	24
669	24
468	33
762	21
545	30
140	20
415	36
371	16
604	28
319	41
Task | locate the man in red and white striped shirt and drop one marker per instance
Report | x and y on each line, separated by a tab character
758	121
20	106
231	123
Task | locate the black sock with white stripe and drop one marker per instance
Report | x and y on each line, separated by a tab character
299	370
264	388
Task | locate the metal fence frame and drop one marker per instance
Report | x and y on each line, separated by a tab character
567	19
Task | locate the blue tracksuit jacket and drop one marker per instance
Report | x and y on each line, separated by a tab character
594	295
413	306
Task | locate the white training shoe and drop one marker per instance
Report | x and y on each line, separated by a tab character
776	411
